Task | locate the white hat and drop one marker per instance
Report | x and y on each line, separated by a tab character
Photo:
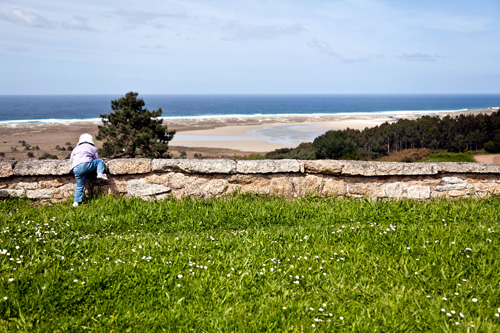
86	138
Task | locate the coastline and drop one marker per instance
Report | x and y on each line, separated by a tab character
227	136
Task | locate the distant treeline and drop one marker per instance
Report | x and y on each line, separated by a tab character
454	134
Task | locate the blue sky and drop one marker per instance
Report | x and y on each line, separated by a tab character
249	46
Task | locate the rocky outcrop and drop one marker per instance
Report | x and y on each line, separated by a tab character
157	178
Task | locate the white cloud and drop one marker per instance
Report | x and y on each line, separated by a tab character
418	57
145	17
20	17
239	31
326	49
78	23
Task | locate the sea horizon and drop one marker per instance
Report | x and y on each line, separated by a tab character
42	109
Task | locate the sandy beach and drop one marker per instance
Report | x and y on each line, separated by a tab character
208	137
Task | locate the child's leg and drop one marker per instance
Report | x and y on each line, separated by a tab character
80	173
100	165
97	165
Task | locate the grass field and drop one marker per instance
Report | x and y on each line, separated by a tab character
450	157
250	263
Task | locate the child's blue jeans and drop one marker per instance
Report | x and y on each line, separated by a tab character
81	171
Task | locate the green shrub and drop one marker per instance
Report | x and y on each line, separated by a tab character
47	156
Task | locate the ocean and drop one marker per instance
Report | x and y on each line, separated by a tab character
19	109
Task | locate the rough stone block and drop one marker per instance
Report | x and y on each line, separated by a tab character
141	188
327	167
334	186
268	166
33	185
450	187
119	186
468	168
306	185
129	166
394	190
54	183
195	166
453	180
42	167
198	186
249	184
5	193
357	187
370	169
419	192
456	193
281	186
6	169
162	179
253	180
39	194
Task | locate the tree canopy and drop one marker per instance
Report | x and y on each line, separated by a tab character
131	130
454	134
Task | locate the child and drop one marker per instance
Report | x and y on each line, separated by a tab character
84	159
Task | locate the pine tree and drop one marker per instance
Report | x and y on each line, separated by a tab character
131	130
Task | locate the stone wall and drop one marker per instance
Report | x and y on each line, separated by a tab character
157	178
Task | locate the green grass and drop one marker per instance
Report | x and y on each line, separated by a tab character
250	263
450	157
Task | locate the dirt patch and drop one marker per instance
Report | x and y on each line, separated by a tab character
489	159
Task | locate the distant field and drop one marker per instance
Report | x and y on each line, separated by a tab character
250	263
450	157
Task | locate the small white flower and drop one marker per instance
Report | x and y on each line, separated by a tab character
445	299
448	314
284	308
179	285
457	323
320	310
443	310
453	311
341	318
428	296
474	300
313	325
312	309
497	314
11	279
462	315
5	298
229	275
179	276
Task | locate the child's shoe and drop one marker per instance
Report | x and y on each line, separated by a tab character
102	176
